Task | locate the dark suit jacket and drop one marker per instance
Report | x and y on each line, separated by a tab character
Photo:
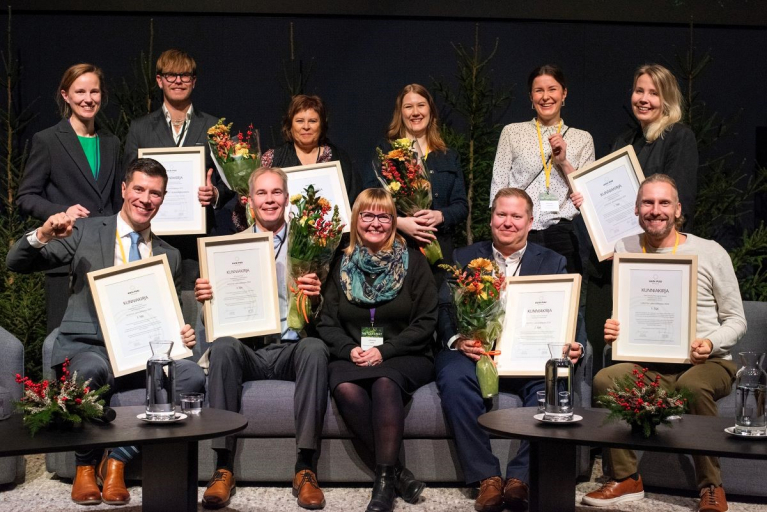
57	175
536	261
90	247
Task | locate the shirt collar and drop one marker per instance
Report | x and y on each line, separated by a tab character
168	119
123	229
552	128
278	236
513	258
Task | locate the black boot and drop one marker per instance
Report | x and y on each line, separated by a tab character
383	490
407	487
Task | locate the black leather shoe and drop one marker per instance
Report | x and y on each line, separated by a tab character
383	490
405	484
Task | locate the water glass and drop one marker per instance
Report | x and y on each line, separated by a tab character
541	401
191	403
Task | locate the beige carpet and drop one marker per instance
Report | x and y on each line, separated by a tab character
44	492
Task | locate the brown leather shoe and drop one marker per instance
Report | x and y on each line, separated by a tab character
615	492
490	498
712	499
112	476
307	490
84	488
221	488
515	494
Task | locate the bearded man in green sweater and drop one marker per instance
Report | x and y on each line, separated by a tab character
720	324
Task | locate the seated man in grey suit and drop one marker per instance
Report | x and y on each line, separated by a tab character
282	357
511	218
177	123
93	244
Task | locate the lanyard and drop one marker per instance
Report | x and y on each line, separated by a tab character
122	250
676	244
279	247
516	269
546	168
372	316
180	134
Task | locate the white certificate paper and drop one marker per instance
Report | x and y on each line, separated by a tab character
654	300
328	181
242	274
609	187
136	304
539	310
181	212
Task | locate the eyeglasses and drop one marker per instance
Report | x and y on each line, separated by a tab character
383	218
173	77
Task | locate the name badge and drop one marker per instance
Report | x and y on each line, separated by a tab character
549	203
371	337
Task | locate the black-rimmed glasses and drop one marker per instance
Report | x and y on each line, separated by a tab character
383	218
173	77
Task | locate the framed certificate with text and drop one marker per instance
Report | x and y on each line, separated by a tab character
539	310
654	298
181	212
609	187
328	181
137	303
243	276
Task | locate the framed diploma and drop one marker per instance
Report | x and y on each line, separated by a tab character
328	181
654	298
243	274
181	212
609	187
137	303
539	310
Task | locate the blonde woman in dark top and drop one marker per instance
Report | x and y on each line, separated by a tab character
378	320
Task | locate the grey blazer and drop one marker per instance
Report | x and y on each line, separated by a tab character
90	247
57	175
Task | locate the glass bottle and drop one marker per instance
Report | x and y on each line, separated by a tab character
559	379
161	383
750	389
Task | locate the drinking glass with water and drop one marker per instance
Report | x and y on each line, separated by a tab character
191	403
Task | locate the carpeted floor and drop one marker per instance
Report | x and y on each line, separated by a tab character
44	492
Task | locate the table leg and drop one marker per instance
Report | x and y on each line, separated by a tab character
552	477
169	477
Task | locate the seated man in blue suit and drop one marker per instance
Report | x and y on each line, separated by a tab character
90	244
510	221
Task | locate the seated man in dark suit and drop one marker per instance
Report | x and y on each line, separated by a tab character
462	402
177	123
93	244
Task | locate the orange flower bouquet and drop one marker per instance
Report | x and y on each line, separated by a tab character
479	310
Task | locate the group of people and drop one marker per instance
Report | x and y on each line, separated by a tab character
93	206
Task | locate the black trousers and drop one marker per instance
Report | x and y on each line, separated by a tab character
304	362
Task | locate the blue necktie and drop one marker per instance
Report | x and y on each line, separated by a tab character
133	254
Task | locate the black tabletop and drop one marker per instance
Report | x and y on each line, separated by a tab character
126	429
696	435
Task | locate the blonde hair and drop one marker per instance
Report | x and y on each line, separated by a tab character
663	178
373	199
397	126
263	170
175	61
670	95
513	192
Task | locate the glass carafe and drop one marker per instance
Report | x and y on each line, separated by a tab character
161	383
750	389
559	378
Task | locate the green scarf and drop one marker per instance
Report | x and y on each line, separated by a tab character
386	270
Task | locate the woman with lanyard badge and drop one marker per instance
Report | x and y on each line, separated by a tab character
378	320
536	156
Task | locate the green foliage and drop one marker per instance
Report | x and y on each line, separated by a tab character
22	297
724	189
479	105
134	97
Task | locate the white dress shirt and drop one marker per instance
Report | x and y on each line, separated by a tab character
183	130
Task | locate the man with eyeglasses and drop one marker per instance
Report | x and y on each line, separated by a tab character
178	124
285	356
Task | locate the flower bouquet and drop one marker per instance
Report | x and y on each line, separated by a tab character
62	402
312	240
642	403
404	175
479	310
235	159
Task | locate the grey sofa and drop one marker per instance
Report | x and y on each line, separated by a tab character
11	363
267	447
739	476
